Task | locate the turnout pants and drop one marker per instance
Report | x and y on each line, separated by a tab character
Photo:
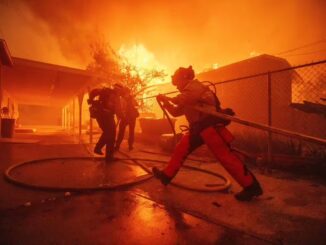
218	141
107	124
122	127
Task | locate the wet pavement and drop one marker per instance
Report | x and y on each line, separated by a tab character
74	173
112	218
292	210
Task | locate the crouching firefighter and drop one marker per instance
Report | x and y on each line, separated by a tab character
203	129
103	110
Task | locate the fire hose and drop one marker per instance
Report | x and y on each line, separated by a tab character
129	182
113	186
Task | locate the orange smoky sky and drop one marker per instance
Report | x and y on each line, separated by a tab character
178	33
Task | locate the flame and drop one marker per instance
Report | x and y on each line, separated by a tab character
143	60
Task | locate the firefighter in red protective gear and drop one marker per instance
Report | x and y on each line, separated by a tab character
203	129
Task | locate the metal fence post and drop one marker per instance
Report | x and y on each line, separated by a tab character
269	144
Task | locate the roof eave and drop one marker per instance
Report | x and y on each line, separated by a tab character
5	56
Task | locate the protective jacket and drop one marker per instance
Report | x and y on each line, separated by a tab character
108	102
195	93
103	110
192	94
129	107
203	130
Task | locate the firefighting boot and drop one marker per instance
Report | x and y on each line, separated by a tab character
248	193
165	180
98	151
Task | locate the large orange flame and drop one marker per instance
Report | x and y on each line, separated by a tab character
143	60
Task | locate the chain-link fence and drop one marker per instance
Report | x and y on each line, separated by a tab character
288	98
297	99
284	97
309	84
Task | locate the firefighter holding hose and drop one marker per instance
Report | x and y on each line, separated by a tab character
203	129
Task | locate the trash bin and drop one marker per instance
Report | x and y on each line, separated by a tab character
7	127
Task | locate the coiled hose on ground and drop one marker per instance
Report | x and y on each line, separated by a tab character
112	186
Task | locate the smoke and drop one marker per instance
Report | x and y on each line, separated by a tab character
71	23
179	33
27	36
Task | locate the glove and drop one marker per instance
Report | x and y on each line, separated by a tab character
162	98
228	111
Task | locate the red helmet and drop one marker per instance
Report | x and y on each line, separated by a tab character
182	75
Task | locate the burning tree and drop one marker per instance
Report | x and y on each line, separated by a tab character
112	68
105	63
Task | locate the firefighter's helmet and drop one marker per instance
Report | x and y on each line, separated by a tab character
119	88
182	76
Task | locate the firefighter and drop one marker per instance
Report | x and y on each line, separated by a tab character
129	108
103	110
203	129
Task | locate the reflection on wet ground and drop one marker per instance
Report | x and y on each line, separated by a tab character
111	218
88	172
94	172
148	213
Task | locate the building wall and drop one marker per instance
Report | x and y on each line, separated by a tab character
249	97
39	115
